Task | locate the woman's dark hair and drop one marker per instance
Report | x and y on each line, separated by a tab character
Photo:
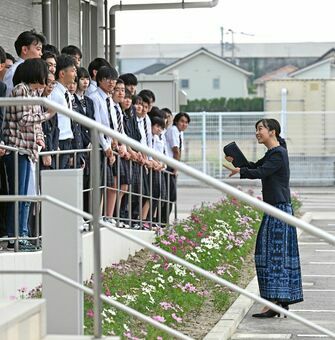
119	81
137	100
145	99
63	61
129	79
180	115
156	120
106	72
27	38
273	125
31	71
156	112
96	64
82	73
167	110
10	57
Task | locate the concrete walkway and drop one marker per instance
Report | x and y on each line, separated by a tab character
318	273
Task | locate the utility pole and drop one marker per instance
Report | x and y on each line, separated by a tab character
232	45
222	46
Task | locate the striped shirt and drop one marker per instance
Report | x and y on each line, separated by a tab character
22	124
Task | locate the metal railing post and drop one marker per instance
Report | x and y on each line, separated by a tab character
95	168
220	151
204	151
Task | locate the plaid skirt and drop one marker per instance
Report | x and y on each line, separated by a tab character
277	260
124	170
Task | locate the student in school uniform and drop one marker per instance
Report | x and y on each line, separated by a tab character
50	59
74	52
65	75
174	146
93	69
28	45
84	105
158	179
50	129
103	113
150	95
9	61
122	165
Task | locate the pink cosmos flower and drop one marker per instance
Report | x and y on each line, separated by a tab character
165	242
159	318
90	313
177	318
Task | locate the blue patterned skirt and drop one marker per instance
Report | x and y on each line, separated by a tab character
277	260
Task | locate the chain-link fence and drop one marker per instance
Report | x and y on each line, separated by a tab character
310	140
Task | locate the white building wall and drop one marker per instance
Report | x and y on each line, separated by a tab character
202	69
320	72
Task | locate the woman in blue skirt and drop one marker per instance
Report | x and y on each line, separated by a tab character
277	254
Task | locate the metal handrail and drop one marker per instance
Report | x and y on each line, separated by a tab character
98	128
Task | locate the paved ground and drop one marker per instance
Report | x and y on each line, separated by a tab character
318	271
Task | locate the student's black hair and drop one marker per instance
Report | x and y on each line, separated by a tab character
72	50
179	115
156	112
106	72
50	48
119	81
273	125
31	71
128	94
129	79
167	110
157	120
96	64
145	98
148	93
137	99
82	73
2	55
27	38
63	61
48	55
9	56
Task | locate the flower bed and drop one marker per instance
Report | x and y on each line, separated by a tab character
217	237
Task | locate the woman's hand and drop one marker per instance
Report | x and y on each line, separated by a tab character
234	172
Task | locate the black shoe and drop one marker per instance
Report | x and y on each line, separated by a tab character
10	245
268	314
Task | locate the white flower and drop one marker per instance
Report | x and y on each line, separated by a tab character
170	279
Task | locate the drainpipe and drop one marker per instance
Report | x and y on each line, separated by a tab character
152	6
46	19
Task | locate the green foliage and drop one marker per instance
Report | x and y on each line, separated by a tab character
224	105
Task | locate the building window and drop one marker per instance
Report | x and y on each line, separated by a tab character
184	83
216	83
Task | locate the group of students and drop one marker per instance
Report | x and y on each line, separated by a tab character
98	93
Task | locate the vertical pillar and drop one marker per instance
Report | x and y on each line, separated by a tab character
62	250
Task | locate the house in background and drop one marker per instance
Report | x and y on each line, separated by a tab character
280	73
203	74
322	68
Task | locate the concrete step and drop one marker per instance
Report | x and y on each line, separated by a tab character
22	319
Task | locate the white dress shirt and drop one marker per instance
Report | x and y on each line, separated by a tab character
92	88
158	143
8	78
172	137
64	123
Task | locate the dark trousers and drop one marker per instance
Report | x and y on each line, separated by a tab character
64	160
3	191
171	188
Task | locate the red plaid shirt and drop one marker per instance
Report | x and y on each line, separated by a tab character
22	124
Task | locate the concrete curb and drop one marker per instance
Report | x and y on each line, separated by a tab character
229	322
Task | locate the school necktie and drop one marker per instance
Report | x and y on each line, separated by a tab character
83	103
180	143
119	122
67	98
146	130
108	101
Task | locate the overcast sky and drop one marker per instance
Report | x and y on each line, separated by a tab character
267	20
